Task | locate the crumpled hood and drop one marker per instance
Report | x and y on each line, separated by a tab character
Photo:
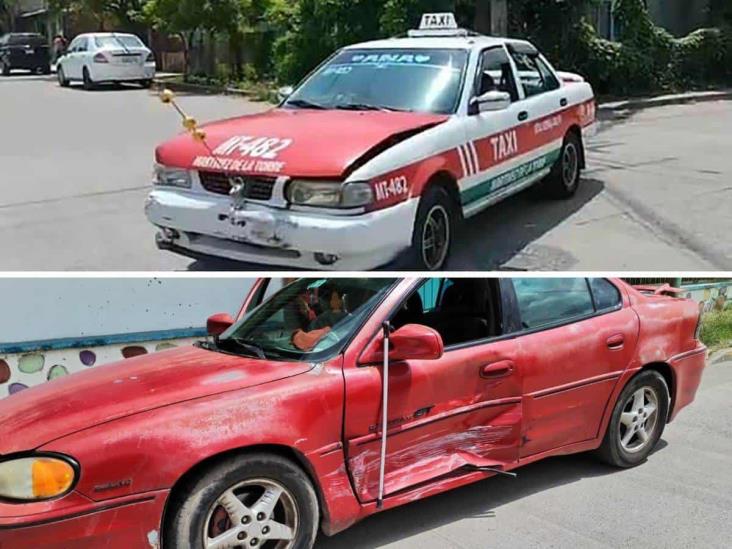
305	143
58	408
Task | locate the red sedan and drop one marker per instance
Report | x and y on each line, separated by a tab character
274	428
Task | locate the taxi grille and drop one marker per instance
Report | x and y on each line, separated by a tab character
257	188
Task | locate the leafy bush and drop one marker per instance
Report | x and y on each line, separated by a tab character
717	329
704	57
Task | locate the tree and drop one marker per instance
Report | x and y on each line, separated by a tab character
9	10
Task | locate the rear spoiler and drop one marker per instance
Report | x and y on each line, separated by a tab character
665	289
570	77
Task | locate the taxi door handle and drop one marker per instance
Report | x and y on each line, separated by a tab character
563	102
616	342
496	370
523	115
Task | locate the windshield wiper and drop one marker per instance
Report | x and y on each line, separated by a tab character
359	107
304	104
250	348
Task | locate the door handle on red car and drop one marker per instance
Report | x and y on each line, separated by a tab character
616	342
497	369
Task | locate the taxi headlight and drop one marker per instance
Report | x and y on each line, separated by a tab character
329	194
36	478
171	177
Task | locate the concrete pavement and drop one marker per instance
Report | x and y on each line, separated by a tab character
75	169
681	497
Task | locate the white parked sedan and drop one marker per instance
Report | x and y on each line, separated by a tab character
106	57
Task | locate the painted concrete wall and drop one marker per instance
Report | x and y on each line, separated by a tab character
711	297
46	309
18	371
55	327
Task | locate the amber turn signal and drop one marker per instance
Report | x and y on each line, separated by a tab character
35	478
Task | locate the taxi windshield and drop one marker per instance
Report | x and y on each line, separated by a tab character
310	319
419	80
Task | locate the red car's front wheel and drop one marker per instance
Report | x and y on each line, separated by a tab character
257	500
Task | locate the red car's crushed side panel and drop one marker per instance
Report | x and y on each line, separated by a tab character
303	413
126	523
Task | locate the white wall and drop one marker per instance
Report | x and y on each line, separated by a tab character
47	308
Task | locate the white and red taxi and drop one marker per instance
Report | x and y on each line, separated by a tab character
377	155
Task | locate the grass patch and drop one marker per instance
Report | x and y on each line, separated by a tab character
716	329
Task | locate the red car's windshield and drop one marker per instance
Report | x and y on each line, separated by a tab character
309	319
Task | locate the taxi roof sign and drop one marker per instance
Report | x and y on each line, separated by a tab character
438	21
438	24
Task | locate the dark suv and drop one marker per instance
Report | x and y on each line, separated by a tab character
28	51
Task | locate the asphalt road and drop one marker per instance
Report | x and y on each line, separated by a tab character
75	168
681	497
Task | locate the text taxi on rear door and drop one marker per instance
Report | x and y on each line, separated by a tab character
377	155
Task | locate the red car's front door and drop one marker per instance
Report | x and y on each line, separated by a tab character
445	416
580	335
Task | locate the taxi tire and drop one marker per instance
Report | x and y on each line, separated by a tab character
435	195
189	509
146	84
611	451
554	186
5	69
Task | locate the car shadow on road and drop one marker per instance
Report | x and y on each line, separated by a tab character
492	238
27	77
481	500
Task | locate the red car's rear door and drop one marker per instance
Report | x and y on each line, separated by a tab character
578	338
446	416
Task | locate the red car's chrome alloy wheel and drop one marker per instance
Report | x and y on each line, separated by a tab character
638	420
255	513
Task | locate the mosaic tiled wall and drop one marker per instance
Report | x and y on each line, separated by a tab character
20	371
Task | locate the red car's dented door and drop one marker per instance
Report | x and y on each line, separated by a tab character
446	416
570	371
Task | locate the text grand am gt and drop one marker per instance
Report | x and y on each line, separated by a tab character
382	150
274	429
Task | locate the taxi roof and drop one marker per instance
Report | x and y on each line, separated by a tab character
469	42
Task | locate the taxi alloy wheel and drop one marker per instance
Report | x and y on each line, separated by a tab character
434	230
564	179
257	500
638	421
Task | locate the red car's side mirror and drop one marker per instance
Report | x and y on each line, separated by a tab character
218	324
410	342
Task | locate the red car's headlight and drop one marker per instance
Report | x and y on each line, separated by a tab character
36	478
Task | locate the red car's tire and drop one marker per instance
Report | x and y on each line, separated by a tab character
634	430
251	500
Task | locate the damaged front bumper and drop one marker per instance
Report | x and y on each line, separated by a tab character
78	522
196	224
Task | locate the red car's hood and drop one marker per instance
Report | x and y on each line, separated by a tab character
316	143
38	415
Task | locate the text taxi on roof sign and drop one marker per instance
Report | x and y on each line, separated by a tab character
378	156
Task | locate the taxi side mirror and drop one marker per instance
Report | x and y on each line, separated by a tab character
284	93
410	342
218	324
493	100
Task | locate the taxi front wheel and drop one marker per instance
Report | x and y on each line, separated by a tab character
434	230
564	179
